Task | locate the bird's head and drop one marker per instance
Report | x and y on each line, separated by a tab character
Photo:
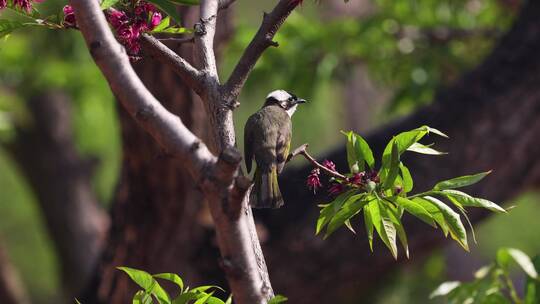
285	100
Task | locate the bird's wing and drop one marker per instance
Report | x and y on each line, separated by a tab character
248	142
283	145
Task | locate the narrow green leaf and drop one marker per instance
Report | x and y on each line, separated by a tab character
186	2
186	297
105	4
214	300
363	151
461	181
383	225
423	149
468	201
435	213
455	226
328	212
204	298
350	208
229	299
277	299
172	277
204	288
354	165
434	131
393	167
414	208
402	236
368	222
77	301
174	30
168	7
406	177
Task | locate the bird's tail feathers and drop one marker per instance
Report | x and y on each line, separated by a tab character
265	192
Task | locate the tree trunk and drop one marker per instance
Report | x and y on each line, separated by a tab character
491	116
160	222
61	180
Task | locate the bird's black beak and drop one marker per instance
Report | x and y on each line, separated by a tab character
300	100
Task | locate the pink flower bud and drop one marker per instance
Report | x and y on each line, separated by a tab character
156	20
313	182
24	5
3	4
329	164
69	17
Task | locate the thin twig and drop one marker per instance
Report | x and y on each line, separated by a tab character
302	150
178	40
260	42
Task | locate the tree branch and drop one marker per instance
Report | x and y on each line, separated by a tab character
164	126
302	150
224	4
260	42
192	76
240	250
205	31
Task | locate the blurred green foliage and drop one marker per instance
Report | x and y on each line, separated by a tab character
410	48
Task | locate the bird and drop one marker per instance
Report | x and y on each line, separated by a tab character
267	139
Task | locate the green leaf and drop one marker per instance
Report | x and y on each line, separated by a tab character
435	213
444	289
455	226
229	300
434	131
505	254
204	298
461	181
277	299
174	30
358	152
187	296
172	277
532	288
105	4
402	236
414	208
186	2
383	225
406	177
204	288
168	7
368	222
468	201
77	301
423	149
165	23
8	26
147	282
141	297
328	212
393	168
350	208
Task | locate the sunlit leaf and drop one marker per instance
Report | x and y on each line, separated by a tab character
165	23
461	181
172	277
435	213
466	200
532	288
505	254
141	297
393	167
455	226
368	222
402	236
147	282
422	149
330	210
383	225
414	208
351	207
277	299
406	178
444	289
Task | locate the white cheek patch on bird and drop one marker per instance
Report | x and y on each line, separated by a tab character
291	110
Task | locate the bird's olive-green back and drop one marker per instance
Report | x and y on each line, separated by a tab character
267	138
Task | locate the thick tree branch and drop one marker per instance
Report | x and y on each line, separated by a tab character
192	76
245	268
164	126
262	40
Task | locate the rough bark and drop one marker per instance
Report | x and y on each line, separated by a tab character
61	180
491	116
160	222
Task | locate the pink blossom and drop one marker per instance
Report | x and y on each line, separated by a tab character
117	18
3	4
329	164
313	182
25	5
357	178
69	17
155	21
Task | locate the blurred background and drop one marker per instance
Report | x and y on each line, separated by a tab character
69	156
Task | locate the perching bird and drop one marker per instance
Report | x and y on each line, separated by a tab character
267	138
